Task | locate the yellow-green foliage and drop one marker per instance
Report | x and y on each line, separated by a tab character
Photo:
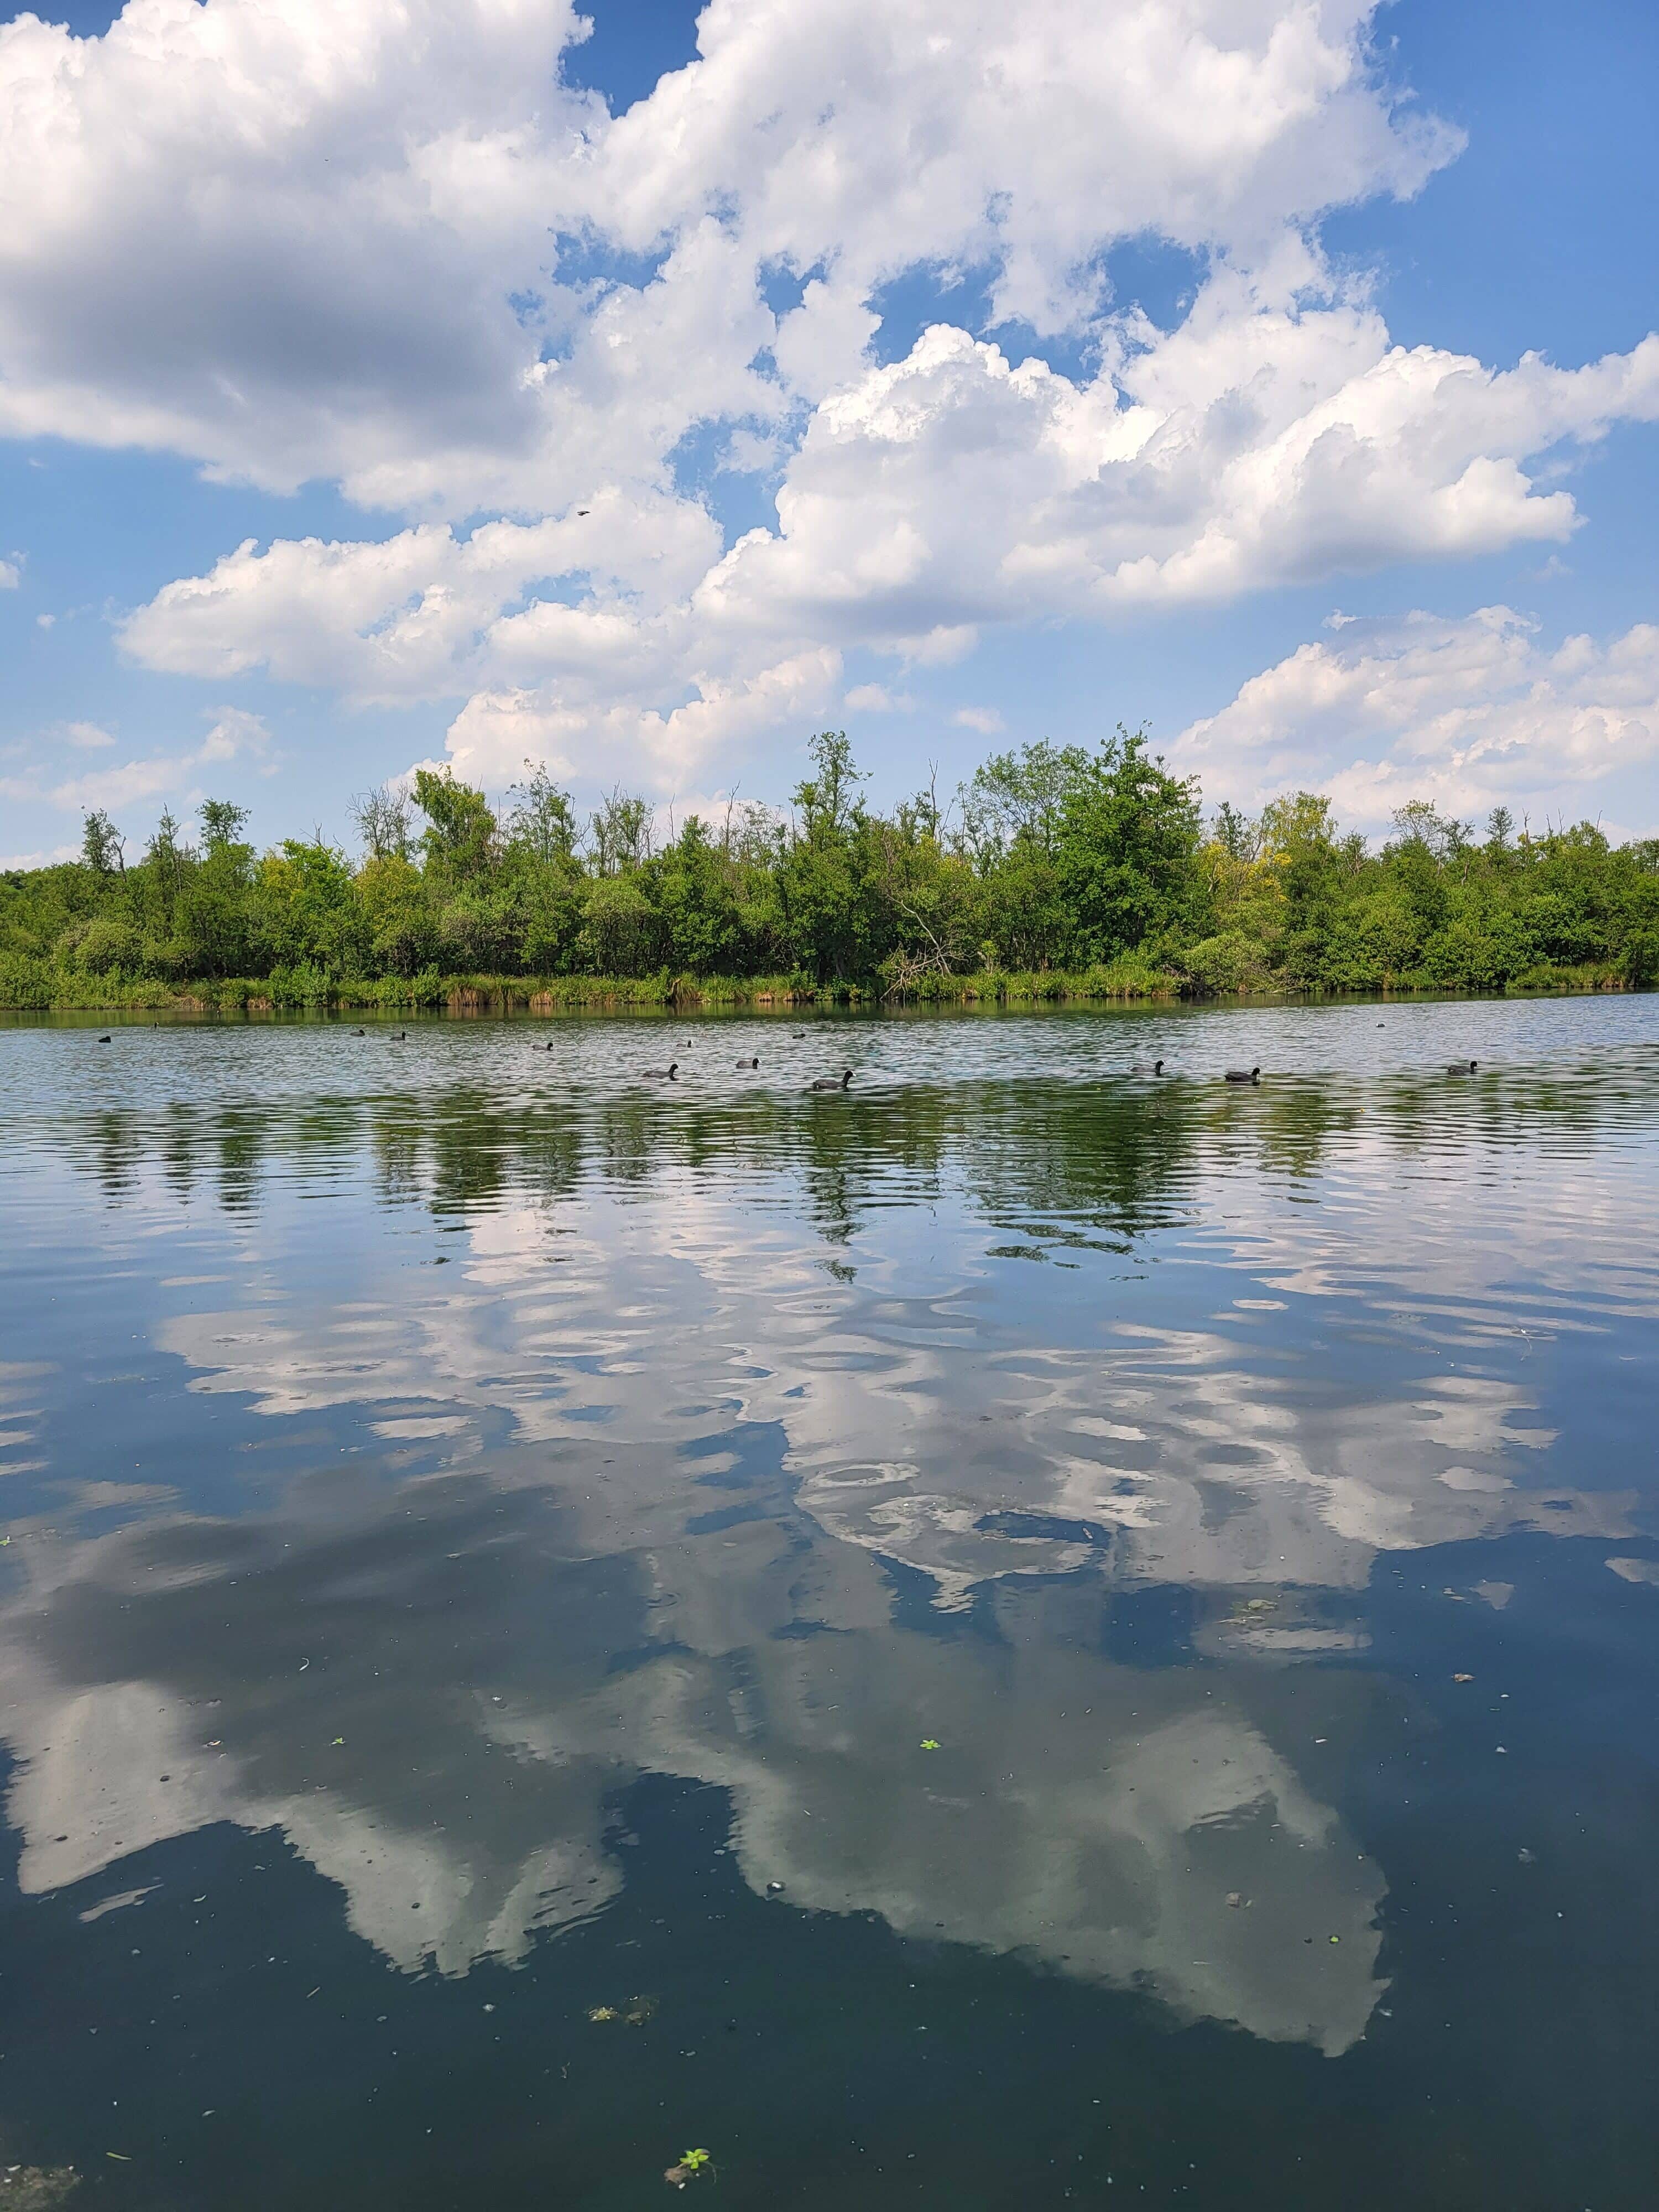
1055	873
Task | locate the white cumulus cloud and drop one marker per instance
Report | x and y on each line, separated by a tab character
233	734
1470	712
382	243
1258	444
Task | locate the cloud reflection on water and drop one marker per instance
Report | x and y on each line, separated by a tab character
637	1483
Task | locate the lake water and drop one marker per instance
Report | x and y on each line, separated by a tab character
1022	1634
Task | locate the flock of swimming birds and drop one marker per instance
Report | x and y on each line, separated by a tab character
671	1073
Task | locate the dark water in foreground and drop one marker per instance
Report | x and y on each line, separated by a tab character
1021	1636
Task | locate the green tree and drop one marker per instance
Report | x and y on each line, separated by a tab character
1238	837
619	833
696	897
222	824
102	845
621	928
1013	814
311	913
403	929
460	839
382	820
1019	799
1059	858
542	825
215	925
1127	849
822	883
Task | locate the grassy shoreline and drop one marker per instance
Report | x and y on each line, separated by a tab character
292	991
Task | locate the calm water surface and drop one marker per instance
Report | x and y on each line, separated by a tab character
1022	1635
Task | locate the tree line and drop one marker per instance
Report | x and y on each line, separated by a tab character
1054	870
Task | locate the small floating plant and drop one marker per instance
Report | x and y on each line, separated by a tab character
693	2164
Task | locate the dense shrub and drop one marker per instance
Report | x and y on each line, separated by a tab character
1056	871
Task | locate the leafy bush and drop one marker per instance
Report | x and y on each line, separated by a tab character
25	983
1067	873
1229	962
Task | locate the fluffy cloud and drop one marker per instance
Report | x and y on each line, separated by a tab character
278	235
1468	713
235	734
45	857
1263	442
359	240
862	143
496	731
381	242
428	613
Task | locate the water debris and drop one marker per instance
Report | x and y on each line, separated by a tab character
34	2187
634	2013
1236	1898
930	1743
691	2164
118	1902
1462	1678
1527	1857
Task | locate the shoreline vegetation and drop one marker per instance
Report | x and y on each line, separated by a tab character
497	995
1055	875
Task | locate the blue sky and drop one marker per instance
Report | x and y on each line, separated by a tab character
1538	237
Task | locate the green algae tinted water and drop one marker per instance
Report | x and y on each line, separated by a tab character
1021	1635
